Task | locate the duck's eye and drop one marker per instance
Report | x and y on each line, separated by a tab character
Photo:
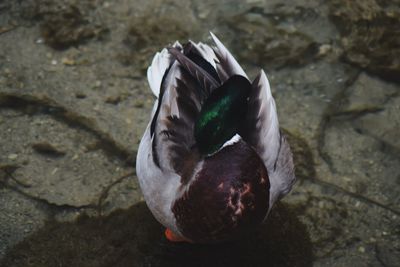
222	114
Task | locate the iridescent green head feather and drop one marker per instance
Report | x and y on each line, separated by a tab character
222	115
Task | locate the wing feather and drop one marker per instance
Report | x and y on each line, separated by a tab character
159	65
227	66
206	80
262	121
173	141
282	177
207	53
263	134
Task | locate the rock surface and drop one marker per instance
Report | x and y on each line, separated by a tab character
74	103
370	34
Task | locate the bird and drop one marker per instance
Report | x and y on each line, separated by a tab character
212	160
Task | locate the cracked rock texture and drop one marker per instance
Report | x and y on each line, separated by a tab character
74	102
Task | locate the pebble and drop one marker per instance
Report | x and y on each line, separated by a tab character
40	75
12	156
324	49
80	95
97	84
204	14
54	171
361	249
67	61
254	1
113	99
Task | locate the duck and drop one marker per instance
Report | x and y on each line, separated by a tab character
212	161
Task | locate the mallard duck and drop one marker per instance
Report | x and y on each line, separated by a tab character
212	160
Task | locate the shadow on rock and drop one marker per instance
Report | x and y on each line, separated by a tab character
134	238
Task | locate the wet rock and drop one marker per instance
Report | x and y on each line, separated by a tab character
370	35
305	16
368	93
114	100
65	23
384	126
339	224
363	129
303	94
360	160
19	217
375	103
326	220
324	49
153	30
47	149
302	156
387	255
121	195
74	177
263	43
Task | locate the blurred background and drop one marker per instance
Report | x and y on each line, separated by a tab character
74	102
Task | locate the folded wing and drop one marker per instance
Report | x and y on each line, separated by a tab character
187	82
263	134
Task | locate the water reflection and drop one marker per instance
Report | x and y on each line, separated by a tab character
133	238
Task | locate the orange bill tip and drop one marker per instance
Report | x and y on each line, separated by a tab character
171	236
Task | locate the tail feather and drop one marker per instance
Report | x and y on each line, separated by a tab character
161	62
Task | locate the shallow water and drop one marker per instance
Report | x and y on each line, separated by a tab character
74	102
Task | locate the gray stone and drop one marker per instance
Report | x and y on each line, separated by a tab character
75	177
384	125
369	94
121	195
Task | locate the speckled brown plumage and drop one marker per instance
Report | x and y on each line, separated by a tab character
228	197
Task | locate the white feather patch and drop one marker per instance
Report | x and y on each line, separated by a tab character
236	138
161	61
159	187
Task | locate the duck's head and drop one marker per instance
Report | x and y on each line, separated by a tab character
219	134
